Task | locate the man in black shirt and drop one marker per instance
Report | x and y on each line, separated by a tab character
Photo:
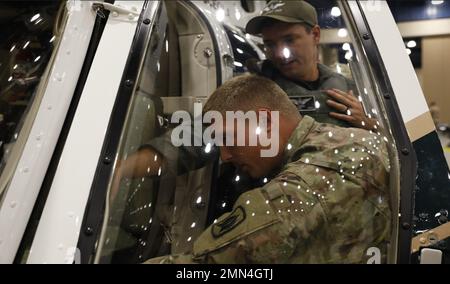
291	36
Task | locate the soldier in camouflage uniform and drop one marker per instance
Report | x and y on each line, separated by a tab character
327	202
291	36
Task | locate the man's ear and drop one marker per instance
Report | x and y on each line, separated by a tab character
316	34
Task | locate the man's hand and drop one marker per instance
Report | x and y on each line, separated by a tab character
144	163
350	109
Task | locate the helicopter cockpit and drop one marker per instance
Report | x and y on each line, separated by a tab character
151	216
140	69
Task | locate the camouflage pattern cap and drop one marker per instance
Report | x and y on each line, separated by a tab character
284	11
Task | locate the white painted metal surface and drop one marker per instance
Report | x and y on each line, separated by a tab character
27	180
57	235
396	61
221	37
231	11
430	256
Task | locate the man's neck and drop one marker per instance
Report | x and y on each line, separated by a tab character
311	76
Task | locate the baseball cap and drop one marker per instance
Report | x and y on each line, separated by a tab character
284	11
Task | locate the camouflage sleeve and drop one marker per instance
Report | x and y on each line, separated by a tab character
265	226
351	180
329	206
262	228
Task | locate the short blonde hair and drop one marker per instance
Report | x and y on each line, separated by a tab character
251	92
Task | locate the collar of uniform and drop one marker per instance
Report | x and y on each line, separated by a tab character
267	69
298	137
324	72
295	141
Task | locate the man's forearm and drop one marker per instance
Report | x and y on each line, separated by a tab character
145	162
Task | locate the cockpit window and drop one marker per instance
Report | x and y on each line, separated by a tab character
244	50
28	35
342	51
162	207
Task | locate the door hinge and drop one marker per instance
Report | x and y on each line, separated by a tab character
101	7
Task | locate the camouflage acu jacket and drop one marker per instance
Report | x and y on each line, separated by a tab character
329	203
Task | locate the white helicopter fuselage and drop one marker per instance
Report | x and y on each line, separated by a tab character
208	59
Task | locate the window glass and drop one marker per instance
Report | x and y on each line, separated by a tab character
162	207
248	6
162	196
28	35
342	65
343	51
245	51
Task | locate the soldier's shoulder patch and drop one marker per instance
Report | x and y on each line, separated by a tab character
232	221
